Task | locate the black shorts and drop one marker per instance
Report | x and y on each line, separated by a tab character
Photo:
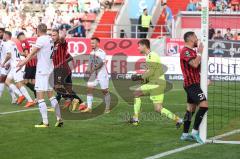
30	73
195	94
62	76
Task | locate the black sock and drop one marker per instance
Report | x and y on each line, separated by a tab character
58	96
74	95
187	121
31	87
199	117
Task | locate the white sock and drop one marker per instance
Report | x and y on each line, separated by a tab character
1	89
43	110
194	131
107	99
15	90
185	134
14	98
26	94
89	100
56	106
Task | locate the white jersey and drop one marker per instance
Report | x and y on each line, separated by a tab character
44	55
11	47
1	45
97	56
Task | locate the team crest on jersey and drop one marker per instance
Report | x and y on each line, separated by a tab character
187	53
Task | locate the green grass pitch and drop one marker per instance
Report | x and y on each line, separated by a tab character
110	137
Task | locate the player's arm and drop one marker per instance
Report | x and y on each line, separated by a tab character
7	58
197	61
28	58
98	66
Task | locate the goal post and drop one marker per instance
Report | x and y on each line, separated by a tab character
204	62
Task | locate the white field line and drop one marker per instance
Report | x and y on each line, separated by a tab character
18	111
211	140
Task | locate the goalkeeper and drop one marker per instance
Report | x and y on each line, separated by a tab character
153	84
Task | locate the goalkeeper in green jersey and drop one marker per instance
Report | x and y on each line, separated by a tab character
153	84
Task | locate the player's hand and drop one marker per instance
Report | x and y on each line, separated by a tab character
200	48
20	65
136	77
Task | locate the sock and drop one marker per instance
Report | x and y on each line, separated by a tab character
12	94
75	96
25	93
1	89
43	110
169	114
137	107
56	106
199	117
15	90
31	87
58	97
187	121
107	99
194	131
89	100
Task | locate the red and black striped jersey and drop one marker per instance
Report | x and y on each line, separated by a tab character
61	55
191	75
26	47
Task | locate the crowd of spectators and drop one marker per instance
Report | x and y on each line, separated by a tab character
216	5
71	14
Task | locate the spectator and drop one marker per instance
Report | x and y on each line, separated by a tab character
168	19
211	32
228	35
78	29
218	36
144	23
192	6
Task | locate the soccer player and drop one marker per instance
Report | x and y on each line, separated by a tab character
4	71
62	71
44	49
13	55
153	85
30	69
190	64
98	75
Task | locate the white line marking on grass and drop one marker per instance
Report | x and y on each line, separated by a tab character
211	140
18	111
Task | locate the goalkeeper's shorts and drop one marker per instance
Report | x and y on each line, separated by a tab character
155	91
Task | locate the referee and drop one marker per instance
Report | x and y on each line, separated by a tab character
62	71
190	61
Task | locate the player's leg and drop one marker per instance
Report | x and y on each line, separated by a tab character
191	108
197	96
137	106
30	73
18	77
55	105
76	100
41	86
104	84
2	84
92	83
14	89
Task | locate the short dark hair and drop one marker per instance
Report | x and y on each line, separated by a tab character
8	33
164	4
219	31
144	9
96	38
187	35
2	29
145	42
20	34
42	28
55	30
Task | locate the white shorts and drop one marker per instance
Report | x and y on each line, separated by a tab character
16	76
94	81
44	82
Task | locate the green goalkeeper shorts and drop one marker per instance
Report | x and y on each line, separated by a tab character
155	91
